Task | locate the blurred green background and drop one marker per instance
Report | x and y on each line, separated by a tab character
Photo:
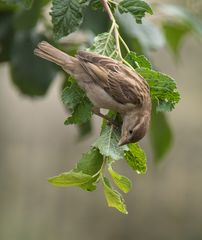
166	203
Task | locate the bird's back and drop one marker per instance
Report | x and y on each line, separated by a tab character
125	85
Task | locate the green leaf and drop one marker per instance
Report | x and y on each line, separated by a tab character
85	129
31	15
107	143
6	35
122	182
96	4
21	3
99	26
136	158
75	98
137	8
72	95
70	179
6	7
84	174
84	2
104	44
66	17
81	113
89	186
30	74
175	33
114	198
90	163
160	135
133	59
163	88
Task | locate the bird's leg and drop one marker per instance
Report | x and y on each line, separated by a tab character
96	111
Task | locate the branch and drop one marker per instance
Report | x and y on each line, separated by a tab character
107	9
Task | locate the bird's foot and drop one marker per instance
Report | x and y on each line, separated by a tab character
109	120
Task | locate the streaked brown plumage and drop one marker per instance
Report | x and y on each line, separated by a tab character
109	84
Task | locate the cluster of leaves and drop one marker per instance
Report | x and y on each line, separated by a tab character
70	11
77	102
18	38
163	89
33	76
90	168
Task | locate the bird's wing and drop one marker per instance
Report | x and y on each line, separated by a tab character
119	81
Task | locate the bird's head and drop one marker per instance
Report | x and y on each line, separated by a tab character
134	127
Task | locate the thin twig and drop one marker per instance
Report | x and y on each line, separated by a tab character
116	35
107	9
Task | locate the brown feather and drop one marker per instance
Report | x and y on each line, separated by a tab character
110	75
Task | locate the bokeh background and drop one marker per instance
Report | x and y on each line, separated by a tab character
166	203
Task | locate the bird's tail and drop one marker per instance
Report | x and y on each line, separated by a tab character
52	54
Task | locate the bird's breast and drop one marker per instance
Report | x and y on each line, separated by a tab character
100	98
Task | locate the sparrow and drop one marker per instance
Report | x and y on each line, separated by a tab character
109	84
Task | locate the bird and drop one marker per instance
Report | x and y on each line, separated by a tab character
109	84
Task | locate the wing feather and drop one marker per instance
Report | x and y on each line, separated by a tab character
111	76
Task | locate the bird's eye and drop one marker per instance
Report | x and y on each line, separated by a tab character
130	131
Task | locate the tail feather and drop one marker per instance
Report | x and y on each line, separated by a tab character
50	53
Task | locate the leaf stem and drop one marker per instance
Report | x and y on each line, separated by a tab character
127	63
101	169
116	34
124	44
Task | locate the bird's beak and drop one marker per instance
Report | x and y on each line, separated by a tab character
123	141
